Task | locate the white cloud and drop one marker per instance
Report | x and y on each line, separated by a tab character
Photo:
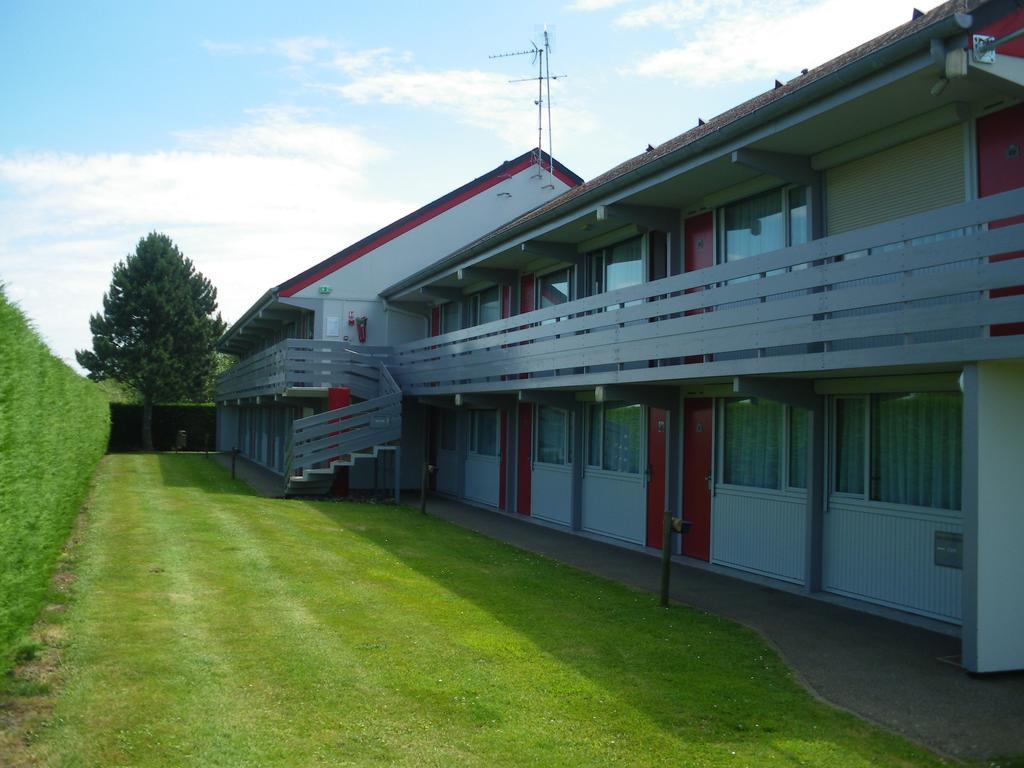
673	14
484	100
233	49
301	50
251	206
594	5
757	40
359	62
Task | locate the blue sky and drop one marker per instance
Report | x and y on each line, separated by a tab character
262	137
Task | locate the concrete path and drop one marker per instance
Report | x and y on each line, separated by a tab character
885	671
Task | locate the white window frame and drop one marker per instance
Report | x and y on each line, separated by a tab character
865	498
566	440
448	309
785	444
474	419
721	250
475	301
600	409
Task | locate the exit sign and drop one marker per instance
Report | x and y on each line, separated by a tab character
325	289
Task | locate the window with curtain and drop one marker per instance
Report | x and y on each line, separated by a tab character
624	265
850	442
594	423
552	435
916	448
486	306
619	266
614	437
799	439
553	289
450	317
449	424
796	203
753	443
620	444
483	432
753	226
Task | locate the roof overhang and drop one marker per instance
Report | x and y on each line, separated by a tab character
625	198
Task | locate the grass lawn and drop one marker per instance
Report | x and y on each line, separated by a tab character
213	627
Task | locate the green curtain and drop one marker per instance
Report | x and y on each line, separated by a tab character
551	434
799	436
850	438
753	443
623	428
916	449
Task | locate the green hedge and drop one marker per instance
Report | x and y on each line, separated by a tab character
53	431
198	421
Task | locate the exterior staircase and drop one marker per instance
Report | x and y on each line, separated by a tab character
339	438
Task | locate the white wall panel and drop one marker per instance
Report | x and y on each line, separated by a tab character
482	479
448	472
614	504
886	555
551	494
760	531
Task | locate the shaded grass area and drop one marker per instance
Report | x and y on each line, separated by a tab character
53	431
214	627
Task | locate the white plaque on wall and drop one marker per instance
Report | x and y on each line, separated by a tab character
333	326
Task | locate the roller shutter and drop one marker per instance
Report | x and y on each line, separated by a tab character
909	178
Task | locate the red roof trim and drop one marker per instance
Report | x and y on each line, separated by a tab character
389	233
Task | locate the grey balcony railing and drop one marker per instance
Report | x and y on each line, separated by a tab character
911	291
336	435
293	364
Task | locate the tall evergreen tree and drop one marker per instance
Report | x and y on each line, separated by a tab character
158	328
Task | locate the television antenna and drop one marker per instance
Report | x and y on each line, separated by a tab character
542	58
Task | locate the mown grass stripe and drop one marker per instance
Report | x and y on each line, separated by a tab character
298	633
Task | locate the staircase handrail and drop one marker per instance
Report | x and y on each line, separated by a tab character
343	431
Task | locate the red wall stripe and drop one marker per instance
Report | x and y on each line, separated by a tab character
390	234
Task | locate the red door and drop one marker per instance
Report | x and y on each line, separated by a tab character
657	444
698	253
697	426
1000	169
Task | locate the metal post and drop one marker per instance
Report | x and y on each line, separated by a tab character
234	455
424	481
398	475
666	554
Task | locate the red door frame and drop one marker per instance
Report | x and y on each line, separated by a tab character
339	397
698	440
698	253
1000	170
657	476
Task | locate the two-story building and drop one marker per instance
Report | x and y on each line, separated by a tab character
797	328
317	341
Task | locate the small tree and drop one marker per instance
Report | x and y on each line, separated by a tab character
157	330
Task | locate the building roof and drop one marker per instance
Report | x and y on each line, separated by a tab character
430	210
399	227
950	16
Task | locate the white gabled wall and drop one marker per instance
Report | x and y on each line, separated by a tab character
355	286
418	248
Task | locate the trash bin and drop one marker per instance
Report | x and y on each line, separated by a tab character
180	440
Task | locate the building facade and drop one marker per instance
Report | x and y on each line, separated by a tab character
797	328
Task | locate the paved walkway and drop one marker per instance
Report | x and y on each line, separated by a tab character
885	671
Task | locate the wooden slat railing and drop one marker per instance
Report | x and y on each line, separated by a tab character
909	291
296	363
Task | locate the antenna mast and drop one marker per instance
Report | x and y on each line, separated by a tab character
542	57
